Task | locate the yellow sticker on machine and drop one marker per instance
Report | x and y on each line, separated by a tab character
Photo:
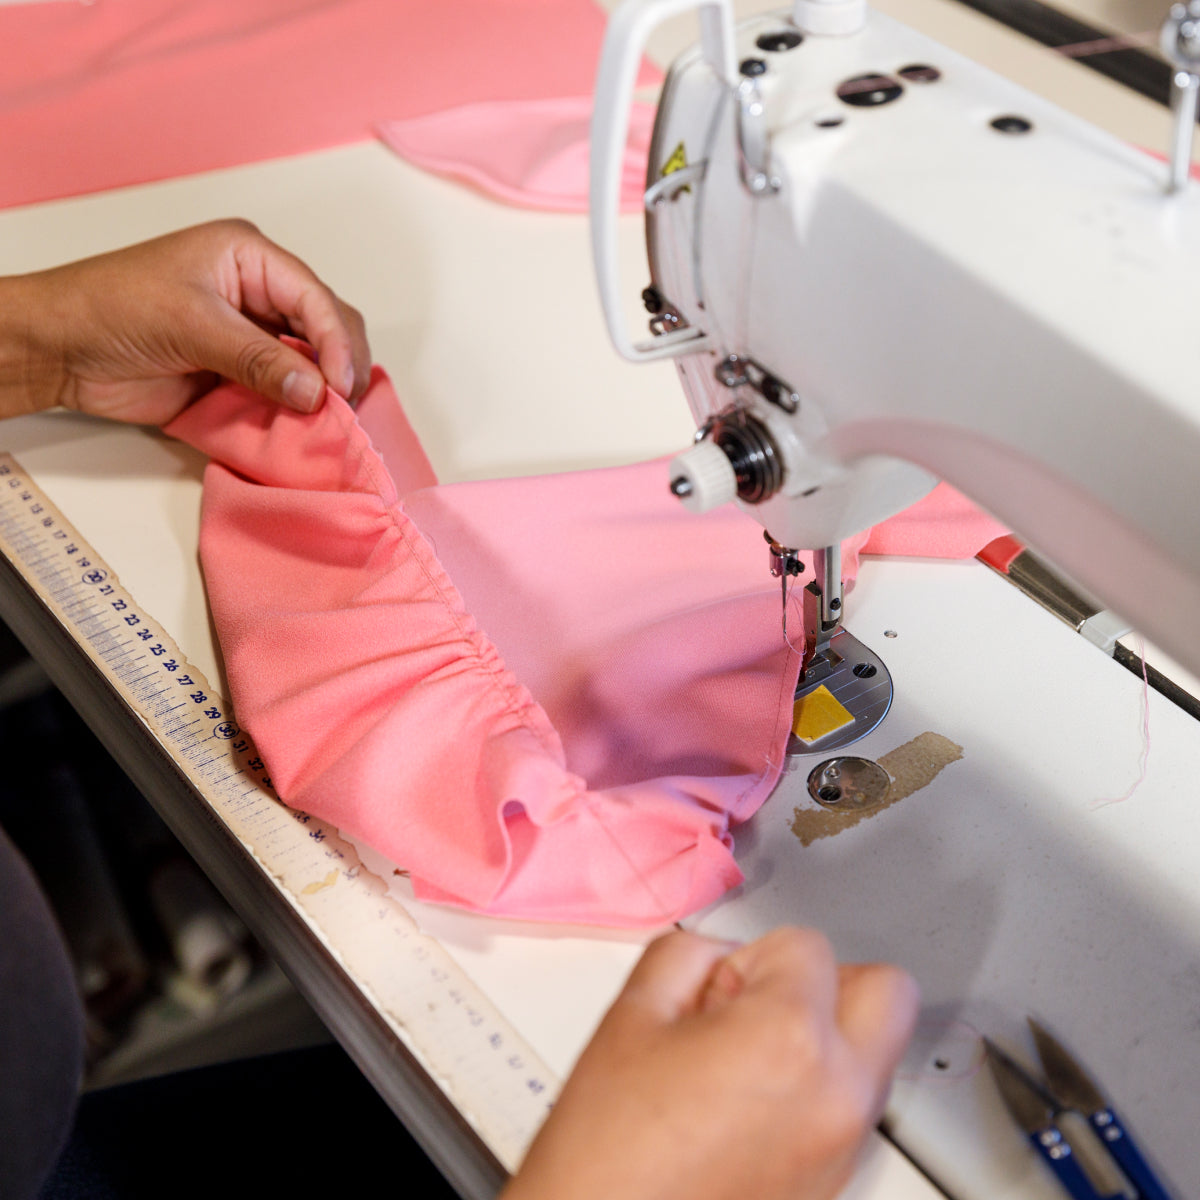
676	162
817	714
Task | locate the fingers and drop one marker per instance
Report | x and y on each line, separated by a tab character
236	348
876	1012
798	965
872	1006
276	286
360	351
672	975
803	1051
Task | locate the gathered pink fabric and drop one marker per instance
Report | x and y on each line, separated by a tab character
530	153
549	698
114	92
360	611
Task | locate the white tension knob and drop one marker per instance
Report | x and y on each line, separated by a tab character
703	477
824	17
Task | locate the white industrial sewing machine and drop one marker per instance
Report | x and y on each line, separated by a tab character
877	264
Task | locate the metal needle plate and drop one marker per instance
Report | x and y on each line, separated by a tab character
860	683
849	784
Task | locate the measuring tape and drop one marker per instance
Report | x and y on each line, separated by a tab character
490	1073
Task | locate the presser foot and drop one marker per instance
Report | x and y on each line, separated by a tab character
858	680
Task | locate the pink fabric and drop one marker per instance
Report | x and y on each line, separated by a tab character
117	92
438	670
945	524
366	678
531	153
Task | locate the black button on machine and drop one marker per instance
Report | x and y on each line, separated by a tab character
1011	123
777	43
920	73
869	91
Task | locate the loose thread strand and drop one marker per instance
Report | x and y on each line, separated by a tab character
1144	761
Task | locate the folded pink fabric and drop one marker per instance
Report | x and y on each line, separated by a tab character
438	670
98	95
651	638
531	153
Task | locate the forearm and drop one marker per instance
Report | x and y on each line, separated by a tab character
32	372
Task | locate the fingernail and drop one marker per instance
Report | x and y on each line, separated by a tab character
302	391
347	382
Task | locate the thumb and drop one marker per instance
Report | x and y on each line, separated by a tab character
236	348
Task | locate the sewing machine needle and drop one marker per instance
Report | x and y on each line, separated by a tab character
783	580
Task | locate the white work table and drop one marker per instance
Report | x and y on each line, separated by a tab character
997	883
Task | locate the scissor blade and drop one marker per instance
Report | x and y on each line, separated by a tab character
1067	1080
1030	1106
1074	1089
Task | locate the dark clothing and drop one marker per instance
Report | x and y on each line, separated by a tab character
300	1123
41	1032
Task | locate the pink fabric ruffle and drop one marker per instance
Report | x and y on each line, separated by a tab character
547	698
437	670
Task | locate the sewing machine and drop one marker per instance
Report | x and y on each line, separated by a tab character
456	288
877	264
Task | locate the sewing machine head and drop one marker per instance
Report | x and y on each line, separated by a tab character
877	264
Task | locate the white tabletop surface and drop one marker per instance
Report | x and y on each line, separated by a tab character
486	318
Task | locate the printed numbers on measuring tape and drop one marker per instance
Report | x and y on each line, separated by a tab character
126	644
409	975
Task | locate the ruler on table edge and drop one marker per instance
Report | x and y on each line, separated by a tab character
490	1074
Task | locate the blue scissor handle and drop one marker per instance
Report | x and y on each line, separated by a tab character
1127	1156
1058	1155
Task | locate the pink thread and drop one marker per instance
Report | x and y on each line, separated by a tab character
787	599
1144	762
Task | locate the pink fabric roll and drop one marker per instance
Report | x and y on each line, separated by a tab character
99	95
549	698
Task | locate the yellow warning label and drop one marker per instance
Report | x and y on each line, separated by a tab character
817	714
676	162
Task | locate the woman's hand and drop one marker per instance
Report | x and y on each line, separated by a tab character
721	1075
137	334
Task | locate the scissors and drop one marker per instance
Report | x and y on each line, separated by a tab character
1037	1104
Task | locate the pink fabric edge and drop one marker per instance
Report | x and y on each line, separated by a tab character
417	140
